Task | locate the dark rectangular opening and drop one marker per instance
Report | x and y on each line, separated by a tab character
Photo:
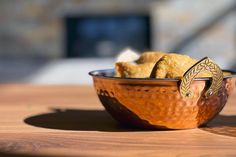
105	36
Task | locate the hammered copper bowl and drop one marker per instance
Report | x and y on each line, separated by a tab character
157	103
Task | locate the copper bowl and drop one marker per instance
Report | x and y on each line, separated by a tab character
158	103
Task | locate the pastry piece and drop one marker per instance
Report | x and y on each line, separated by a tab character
132	70
150	57
157	65
174	66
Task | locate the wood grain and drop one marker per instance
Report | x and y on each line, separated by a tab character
69	121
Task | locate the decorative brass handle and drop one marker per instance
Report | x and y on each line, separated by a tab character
204	64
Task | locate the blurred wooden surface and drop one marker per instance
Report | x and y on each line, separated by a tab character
70	121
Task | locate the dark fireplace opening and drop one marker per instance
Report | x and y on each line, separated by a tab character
105	36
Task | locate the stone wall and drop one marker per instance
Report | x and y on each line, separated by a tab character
207	28
32	28
35	28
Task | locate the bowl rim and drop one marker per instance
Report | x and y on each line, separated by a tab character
102	74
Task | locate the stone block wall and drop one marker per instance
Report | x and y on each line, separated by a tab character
199	29
35	28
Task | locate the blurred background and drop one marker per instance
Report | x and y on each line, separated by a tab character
60	41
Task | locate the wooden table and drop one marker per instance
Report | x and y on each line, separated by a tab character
70	121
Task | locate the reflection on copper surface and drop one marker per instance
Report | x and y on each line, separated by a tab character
158	103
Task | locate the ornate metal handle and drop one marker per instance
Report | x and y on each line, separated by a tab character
204	64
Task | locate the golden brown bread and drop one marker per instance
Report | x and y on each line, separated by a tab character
172	66
141	69
150	57
132	70
161	65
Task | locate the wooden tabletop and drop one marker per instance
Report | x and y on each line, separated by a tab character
70	121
